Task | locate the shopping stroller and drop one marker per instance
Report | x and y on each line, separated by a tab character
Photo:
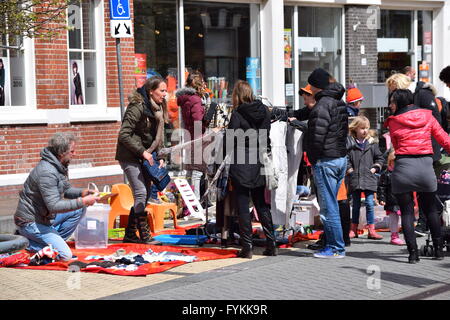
443	197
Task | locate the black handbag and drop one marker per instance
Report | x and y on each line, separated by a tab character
159	176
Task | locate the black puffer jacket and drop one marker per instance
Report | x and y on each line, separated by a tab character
327	125
425	97
245	169
384	192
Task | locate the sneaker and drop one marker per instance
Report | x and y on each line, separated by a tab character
395	240
420	230
328	253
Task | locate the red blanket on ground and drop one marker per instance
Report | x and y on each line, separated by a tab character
202	254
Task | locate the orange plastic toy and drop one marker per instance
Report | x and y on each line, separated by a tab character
120	203
156	215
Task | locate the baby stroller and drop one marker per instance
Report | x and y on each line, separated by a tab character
443	197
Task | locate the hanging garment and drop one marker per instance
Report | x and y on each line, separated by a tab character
294	145
279	156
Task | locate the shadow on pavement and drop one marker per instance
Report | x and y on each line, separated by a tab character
400	278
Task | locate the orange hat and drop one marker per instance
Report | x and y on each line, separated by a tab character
354	95
306	89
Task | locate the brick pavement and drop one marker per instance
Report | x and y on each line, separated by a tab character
295	274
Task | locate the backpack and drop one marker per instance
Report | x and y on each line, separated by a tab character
442	106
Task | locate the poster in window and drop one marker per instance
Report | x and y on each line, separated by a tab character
253	74
140	69
76	88
3	64
288	48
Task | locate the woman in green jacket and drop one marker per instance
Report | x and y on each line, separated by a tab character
140	135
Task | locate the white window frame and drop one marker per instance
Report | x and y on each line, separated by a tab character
98	111
27	113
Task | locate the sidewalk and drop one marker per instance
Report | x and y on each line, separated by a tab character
372	270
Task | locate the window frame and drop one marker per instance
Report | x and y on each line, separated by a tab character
98	111
27	113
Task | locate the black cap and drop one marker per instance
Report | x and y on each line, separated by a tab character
319	78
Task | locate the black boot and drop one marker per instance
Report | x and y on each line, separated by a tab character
438	247
319	244
144	229
413	253
271	249
245	232
246	252
131	229
265	218
344	212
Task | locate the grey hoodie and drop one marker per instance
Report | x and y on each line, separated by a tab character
46	192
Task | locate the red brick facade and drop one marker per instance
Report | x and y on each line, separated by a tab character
20	145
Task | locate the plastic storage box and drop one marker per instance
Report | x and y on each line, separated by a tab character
181	239
92	231
303	213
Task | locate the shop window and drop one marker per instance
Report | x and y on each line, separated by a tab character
320	43
394	42
12	72
155	42
424	49
289	75
83	53
222	42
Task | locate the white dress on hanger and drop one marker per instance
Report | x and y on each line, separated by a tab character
278	196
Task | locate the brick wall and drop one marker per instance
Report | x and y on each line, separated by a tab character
363	35
12	192
52	83
128	64
20	145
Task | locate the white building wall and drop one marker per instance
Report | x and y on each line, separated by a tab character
272	52
441	43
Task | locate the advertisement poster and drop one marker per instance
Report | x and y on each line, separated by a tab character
140	69
4	101
253	74
76	88
287	48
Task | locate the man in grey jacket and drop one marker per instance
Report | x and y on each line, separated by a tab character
49	208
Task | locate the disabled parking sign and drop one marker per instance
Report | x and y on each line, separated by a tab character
119	9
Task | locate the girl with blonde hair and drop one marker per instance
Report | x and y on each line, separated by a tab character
364	160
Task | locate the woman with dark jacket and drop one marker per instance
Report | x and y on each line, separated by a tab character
248	134
140	135
189	99
411	129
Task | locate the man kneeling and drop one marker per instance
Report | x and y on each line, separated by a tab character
49	208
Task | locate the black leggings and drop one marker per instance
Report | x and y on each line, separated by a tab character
245	216
431	211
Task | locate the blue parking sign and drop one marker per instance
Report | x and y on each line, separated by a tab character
119	9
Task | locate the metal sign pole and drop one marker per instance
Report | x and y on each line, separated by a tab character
119	73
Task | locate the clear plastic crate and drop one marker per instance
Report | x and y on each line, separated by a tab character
92	231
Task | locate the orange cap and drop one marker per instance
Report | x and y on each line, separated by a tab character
354	95
306	89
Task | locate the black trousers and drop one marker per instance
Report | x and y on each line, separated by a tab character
245	217
430	209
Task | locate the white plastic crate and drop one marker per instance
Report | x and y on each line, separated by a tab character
92	231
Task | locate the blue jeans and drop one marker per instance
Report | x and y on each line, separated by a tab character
370	211
63	226
328	175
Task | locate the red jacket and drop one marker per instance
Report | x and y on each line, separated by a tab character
192	110
411	132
